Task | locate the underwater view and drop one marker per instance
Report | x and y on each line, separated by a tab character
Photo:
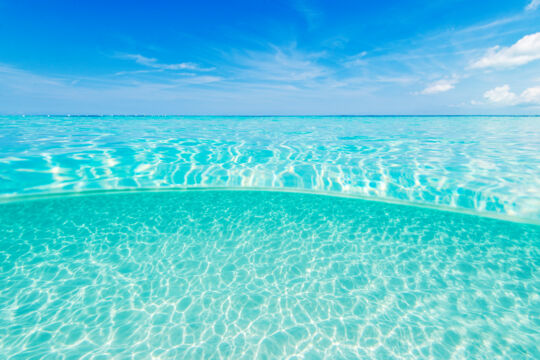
269	237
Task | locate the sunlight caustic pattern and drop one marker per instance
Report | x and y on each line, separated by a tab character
244	275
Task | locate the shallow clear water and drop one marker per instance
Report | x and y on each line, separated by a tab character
247	274
487	164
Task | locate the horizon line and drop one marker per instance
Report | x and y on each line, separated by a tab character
277	115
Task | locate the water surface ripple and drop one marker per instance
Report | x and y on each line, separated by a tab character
488	164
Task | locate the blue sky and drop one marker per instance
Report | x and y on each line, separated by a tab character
270	57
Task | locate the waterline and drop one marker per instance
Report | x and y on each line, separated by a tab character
472	212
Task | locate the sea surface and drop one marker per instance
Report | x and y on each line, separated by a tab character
485	164
269	237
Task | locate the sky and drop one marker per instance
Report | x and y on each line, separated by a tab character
272	57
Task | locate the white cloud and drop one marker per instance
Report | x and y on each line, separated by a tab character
502	95
531	95
533	5
440	86
527	49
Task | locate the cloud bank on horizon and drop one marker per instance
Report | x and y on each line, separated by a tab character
279	57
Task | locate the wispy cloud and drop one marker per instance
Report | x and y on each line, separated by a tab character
81	94
356	60
527	49
283	64
19	80
154	63
198	79
311	15
533	5
502	95
440	86
134	72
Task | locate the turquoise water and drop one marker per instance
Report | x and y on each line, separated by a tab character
269	237
485	164
255	274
